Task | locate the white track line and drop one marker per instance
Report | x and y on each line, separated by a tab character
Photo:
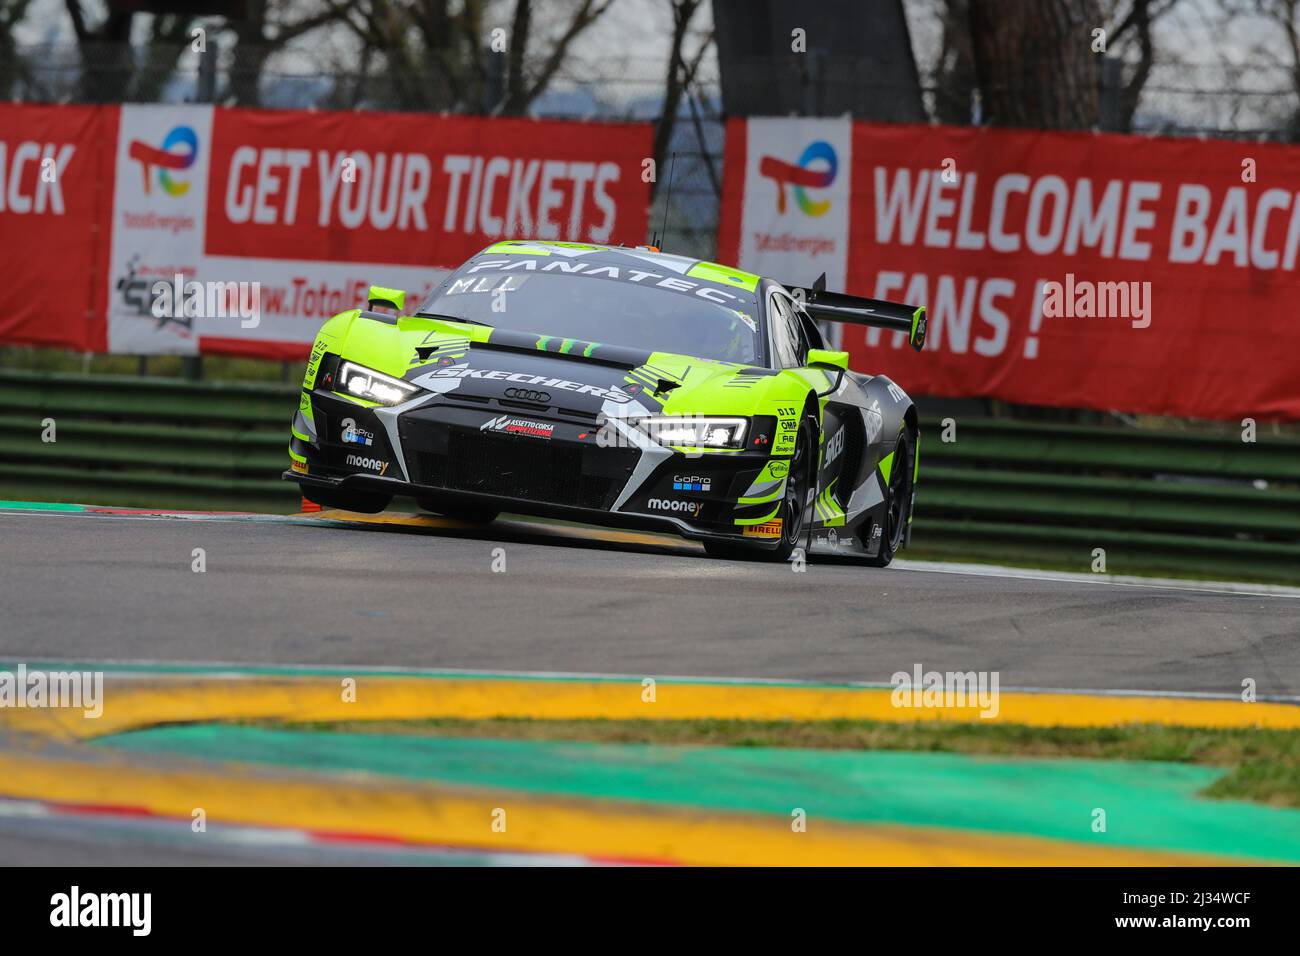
1114	580
226	669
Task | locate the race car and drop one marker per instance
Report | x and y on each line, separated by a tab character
619	386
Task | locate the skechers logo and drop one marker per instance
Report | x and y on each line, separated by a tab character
523	378
692	508
370	464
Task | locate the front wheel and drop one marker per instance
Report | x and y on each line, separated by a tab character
898	501
791	512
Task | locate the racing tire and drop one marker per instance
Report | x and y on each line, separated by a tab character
365	502
793	511
898	501
458	512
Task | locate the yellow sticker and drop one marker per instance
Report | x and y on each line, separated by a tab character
772	529
298	466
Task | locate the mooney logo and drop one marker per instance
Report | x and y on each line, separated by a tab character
179	150
668	504
801	176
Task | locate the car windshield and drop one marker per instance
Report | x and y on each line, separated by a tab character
606	310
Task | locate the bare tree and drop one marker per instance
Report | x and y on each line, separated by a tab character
1280	49
680	75
1034	62
439	53
952	76
13	70
260	34
1132	27
106	61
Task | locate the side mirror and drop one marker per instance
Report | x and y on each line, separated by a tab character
393	298
824	358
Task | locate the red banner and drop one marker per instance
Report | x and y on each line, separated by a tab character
416	191
186	229
1077	269
56	195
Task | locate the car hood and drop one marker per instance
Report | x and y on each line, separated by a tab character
477	362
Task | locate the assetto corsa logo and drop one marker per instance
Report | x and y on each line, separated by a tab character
815	169
178	151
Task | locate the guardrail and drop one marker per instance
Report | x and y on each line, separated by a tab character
1171	502
1017	492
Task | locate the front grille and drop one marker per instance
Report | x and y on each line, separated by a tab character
525	468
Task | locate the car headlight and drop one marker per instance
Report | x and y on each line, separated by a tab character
366	383
696	431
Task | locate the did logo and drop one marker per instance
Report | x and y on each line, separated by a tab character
179	150
815	169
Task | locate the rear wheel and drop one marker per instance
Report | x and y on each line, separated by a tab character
792	508
366	502
449	509
898	501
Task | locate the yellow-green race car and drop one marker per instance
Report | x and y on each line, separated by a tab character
617	386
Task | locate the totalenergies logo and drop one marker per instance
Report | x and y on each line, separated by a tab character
179	150
803	176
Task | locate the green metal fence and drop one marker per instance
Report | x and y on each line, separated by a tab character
1042	494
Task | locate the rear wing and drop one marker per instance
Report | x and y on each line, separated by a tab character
855	310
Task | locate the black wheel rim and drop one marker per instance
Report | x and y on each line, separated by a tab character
794	488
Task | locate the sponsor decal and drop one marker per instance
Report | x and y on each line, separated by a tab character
692	483
370	464
778	469
794	208
178	152
529	395
815	169
510	425
296	465
673	283
770	529
352	435
834	447
693	508
875	419
496	375
137	297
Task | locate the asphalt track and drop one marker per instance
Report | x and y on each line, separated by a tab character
103	588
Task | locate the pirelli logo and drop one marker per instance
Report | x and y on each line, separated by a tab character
769	529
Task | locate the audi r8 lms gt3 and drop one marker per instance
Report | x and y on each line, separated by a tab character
617	386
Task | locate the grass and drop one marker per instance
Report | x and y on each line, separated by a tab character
1264	765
